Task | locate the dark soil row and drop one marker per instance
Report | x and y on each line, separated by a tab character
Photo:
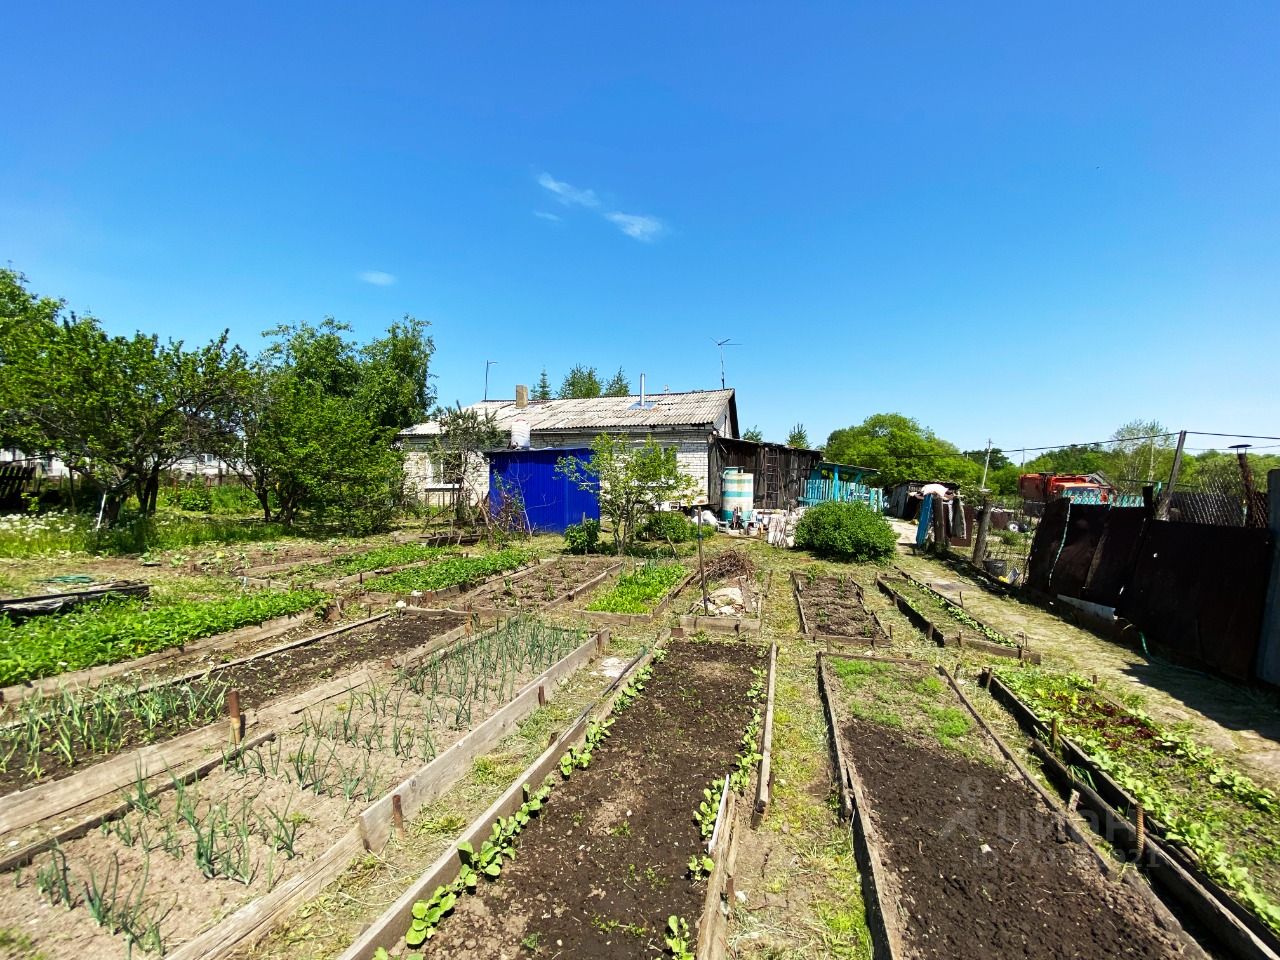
833	605
259	682
605	863
976	866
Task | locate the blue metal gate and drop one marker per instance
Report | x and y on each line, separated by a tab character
551	500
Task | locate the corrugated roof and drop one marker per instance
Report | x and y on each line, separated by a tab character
699	408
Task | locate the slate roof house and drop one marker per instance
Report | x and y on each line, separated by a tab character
690	422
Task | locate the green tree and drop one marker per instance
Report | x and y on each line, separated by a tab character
901	449
458	452
117	410
543	390
630	480
998	458
618	385
798	437
754	434
580	383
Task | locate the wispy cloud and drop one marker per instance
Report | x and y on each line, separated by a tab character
567	193
378	278
636	226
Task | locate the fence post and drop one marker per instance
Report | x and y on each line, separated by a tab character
1268	667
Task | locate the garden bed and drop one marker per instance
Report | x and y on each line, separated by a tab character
279	820
962	857
606	861
640	595
832	609
55	736
547	585
1212	836
937	617
449	577
736	592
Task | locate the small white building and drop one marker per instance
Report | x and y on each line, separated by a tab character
689	421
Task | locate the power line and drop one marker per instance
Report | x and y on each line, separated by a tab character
1237	436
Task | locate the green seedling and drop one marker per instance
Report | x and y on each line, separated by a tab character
700	866
677	938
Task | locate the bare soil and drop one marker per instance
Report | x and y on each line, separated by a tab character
604	865
540	586
978	867
834	605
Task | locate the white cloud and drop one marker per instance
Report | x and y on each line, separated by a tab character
636	226
378	278
544	215
567	193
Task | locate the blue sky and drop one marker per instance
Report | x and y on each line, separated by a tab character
1026	222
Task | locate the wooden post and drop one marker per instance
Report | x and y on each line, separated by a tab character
1053	735
234	717
1142	832
542	695
702	571
1166	498
984	525
397	812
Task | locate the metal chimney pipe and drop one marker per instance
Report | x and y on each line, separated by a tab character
642	391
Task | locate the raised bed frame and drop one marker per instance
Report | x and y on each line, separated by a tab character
45	604
373	827
736	625
886	931
939	636
567	597
388	929
638	619
181	756
1179	877
832	640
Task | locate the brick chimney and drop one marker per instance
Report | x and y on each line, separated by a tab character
522	395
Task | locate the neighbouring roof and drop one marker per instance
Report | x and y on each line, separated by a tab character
696	408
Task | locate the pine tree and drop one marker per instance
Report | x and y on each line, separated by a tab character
618	386
798	437
543	390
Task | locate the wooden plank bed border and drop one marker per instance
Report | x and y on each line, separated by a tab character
373	828
568	597
1178	877
639	619
886	936
938	636
764	782
387	930
43	801
832	640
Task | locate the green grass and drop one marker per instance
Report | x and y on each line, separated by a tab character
56	532
640	590
116	630
397	555
452	572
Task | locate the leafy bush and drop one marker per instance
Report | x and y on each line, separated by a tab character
190	496
846	531
667	525
116	630
582	537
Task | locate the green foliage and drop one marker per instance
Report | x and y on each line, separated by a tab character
452	572
543	389
59	532
677	938
618	385
754	434
630	481
846	531
901	449
668	525
395	555
640	590
582	537
117	630
798	437
580	383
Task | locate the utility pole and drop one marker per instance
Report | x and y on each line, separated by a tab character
487	365
1166	498
986	463
726	342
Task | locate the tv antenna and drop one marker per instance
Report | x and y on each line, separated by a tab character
726	342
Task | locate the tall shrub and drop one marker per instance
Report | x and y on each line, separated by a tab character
846	531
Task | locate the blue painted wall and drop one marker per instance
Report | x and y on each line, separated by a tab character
551	499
